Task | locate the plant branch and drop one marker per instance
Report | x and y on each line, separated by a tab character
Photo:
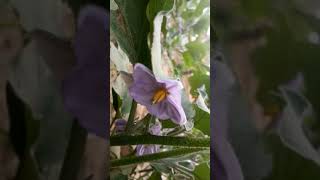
120	140
130	122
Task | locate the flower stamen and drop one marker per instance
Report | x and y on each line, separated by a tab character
159	95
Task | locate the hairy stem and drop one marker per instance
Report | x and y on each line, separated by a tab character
120	140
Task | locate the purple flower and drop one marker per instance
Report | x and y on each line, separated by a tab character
162	98
86	88
150	149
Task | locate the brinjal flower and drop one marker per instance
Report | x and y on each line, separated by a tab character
150	149
85	89
162	98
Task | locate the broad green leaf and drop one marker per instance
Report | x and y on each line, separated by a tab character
202	121
202	118
188	59
130	26
198	50
198	79
155	176
202	172
155	6
202	25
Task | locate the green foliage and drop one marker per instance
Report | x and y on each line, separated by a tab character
198	50
202	172
155	6
130	26
155	176
166	28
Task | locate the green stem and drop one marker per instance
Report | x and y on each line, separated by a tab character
120	140
130	122
74	152
153	157
146	130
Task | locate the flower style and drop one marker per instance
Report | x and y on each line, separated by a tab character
150	149
162	98
85	88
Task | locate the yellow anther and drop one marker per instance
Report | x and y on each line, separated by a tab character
159	95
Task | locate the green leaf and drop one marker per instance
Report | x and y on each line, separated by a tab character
198	79
198	49
202	121
202	172
202	25
130	26
155	176
155	6
188	59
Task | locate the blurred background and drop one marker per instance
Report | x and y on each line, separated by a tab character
267	56
34	125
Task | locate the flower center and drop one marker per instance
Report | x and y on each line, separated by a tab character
159	95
